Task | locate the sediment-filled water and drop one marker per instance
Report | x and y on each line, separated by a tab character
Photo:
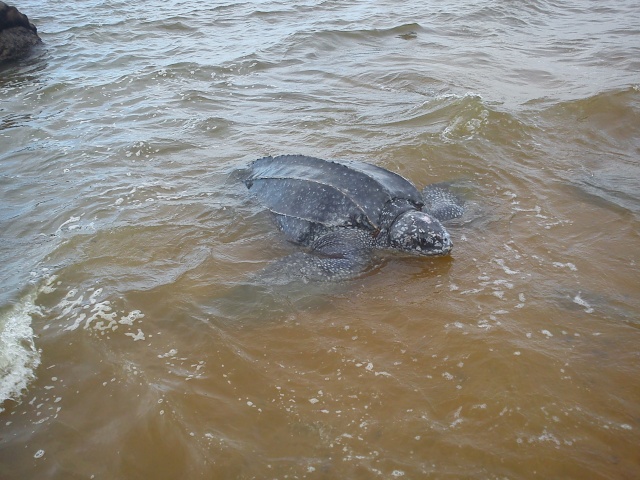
133	343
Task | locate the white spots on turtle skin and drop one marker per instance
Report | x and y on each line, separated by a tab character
312	198
347	255
441	203
312	188
417	232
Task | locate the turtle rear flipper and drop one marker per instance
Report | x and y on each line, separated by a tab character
442	203
339	255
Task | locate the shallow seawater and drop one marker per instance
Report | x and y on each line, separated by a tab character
133	341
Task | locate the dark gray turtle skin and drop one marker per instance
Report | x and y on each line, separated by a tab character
343	211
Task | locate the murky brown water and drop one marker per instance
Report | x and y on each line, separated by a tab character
129	325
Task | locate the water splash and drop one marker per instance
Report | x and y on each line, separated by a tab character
19	357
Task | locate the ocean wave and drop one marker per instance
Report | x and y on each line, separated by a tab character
19	357
605	170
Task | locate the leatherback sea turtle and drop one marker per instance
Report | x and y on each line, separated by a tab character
342	211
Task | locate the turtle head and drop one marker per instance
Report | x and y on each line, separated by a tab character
419	233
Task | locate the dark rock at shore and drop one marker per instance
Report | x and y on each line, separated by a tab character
17	34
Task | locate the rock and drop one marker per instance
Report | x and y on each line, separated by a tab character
17	34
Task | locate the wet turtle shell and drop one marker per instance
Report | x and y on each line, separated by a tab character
326	192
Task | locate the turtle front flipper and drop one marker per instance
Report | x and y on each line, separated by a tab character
341	254
441	203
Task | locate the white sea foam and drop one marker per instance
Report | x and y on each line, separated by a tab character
580	301
568	265
18	354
